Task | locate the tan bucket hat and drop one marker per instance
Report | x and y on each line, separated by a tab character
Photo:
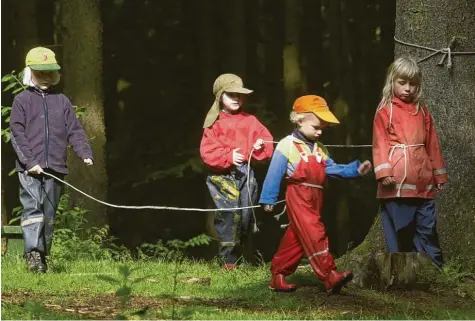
225	83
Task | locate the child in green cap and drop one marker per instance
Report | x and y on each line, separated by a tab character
42	124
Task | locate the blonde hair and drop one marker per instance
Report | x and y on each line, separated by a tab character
405	68
296	117
27	81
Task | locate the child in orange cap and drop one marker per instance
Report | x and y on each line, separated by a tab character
304	163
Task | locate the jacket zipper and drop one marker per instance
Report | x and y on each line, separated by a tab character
45	106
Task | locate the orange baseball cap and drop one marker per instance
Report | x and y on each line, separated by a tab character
314	104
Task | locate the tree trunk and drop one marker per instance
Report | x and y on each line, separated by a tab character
81	32
233	51
207	49
294	78
273	36
450	96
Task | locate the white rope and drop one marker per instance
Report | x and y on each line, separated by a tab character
172	208
404	148
446	52
175	208
254	228
277	217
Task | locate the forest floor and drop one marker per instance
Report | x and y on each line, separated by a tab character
202	290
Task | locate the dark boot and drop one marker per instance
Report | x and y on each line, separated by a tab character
42	267
35	262
336	281
278	284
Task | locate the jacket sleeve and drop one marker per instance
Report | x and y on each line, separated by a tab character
76	136
19	140
434	150
348	171
275	173
267	150
381	146
212	151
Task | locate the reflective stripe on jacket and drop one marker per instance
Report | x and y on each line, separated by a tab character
405	145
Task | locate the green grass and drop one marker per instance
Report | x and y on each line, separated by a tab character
85	289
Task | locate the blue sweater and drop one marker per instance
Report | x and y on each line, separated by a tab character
286	158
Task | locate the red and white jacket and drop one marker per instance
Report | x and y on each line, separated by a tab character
231	131
405	145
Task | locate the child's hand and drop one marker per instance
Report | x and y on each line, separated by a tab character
268	208
387	181
238	158
365	168
35	170
440	186
88	161
258	144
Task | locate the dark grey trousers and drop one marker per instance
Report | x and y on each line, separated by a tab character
39	195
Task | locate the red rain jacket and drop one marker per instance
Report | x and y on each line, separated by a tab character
233	131
405	145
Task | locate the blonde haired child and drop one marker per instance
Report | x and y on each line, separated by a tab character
42	124
408	163
304	163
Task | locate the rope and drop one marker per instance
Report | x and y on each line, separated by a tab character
349	146
447	52
174	208
404	149
254	228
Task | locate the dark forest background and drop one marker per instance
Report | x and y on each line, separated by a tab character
150	66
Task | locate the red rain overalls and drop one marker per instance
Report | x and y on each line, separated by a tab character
306	232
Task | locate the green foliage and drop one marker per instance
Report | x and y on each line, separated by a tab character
35	309
240	294
13	84
171	250
124	292
453	273
71	242
16	215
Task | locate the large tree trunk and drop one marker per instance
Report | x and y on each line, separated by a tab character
233	51
205	13
81	32
450	95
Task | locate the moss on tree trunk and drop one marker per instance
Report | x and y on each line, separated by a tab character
81	33
450	96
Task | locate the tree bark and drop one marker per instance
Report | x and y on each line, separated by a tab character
233	52
294	77
81	33
450	96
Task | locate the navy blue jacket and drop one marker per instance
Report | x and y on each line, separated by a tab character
42	124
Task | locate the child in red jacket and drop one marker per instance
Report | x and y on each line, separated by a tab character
228	139
408	163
